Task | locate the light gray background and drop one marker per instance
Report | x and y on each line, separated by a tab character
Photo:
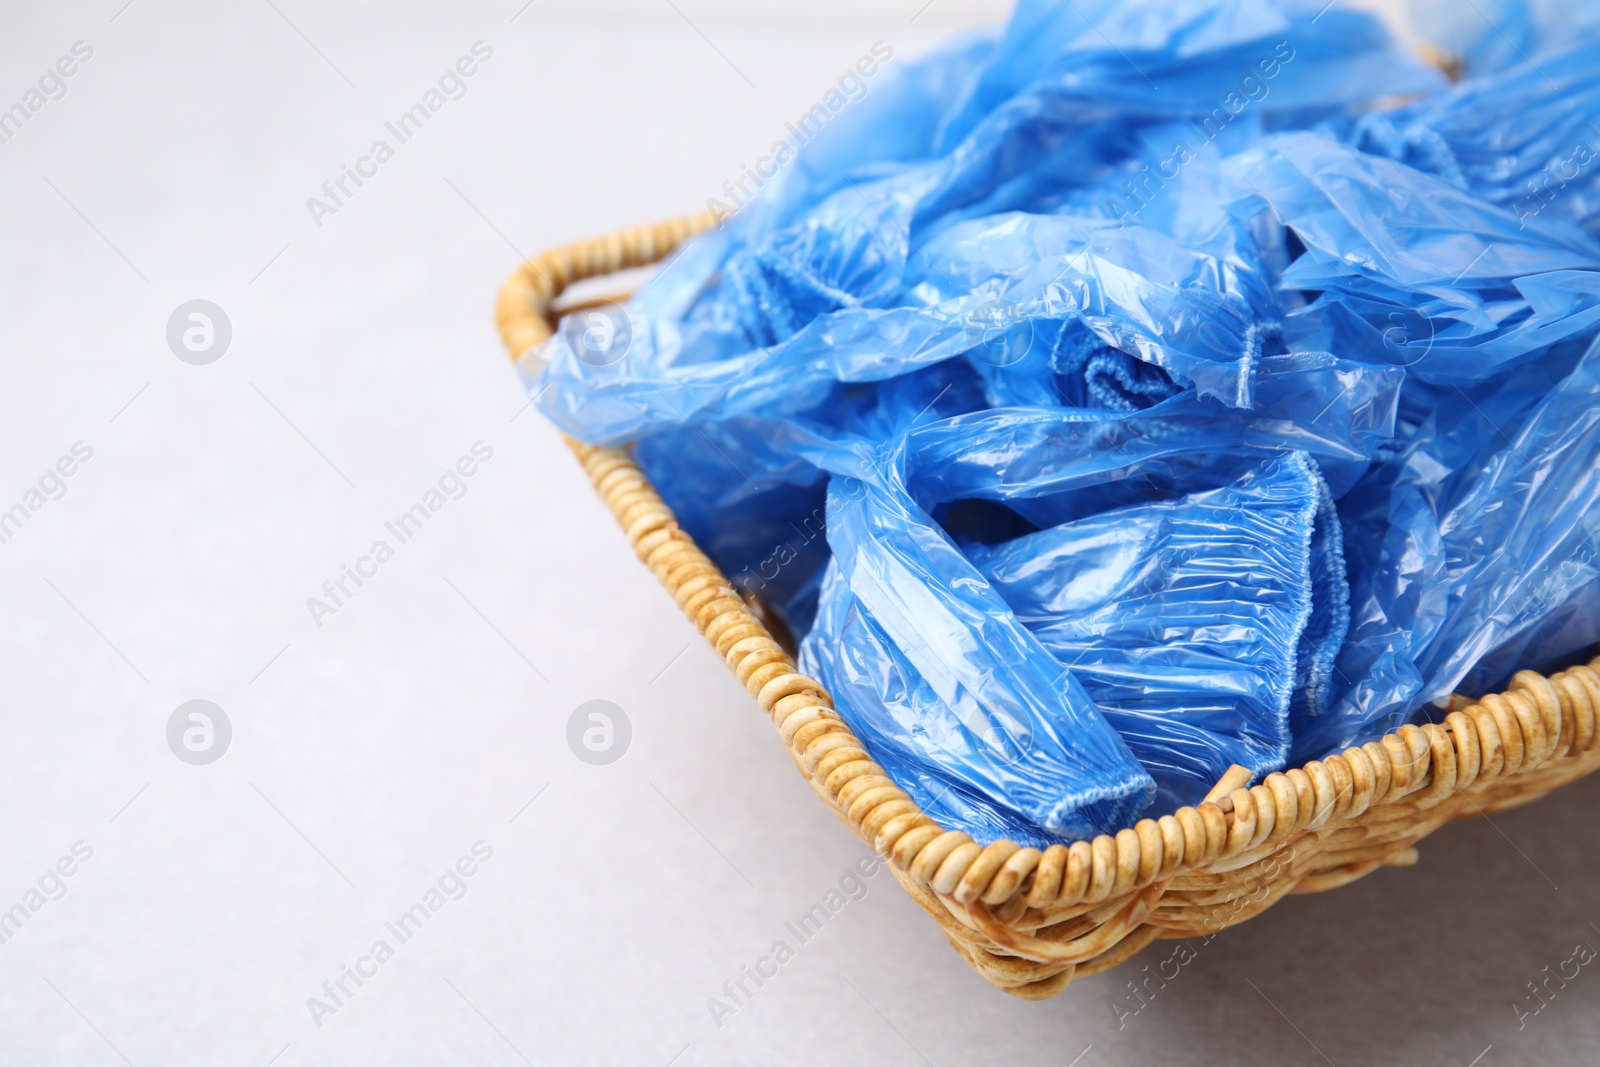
370	753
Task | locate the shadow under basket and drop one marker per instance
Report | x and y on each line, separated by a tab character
1028	920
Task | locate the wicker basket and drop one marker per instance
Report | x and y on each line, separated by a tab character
1030	920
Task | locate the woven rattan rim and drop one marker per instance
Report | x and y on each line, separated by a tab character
1029	920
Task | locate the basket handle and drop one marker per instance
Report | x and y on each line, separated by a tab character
523	309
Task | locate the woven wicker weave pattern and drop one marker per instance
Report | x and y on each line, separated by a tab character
1030	920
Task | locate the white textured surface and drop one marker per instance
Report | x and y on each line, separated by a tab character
410	726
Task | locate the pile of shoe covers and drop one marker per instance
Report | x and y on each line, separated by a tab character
1149	387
